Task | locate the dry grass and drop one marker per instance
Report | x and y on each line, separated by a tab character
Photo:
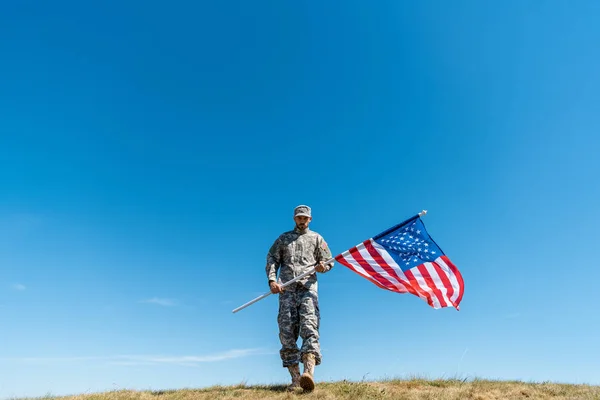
415	389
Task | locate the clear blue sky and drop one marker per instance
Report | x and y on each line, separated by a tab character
150	154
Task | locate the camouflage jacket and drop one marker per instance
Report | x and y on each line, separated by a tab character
294	253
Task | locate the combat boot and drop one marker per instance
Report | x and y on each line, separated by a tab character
307	381
295	374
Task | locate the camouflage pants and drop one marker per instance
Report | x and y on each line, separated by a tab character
298	316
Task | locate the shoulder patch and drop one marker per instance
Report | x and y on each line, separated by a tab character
324	244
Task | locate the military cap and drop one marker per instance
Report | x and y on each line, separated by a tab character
302	211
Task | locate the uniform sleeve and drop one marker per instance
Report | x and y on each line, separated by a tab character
273	260
324	253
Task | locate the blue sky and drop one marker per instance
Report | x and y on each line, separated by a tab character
150	155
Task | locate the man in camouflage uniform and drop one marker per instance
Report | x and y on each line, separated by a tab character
294	253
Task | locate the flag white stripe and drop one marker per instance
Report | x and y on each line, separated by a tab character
356	266
438	282
423	284
455	285
380	271
431	289
392	263
389	260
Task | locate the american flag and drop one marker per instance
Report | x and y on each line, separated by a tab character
405	259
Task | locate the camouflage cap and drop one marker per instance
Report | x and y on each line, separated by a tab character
302	211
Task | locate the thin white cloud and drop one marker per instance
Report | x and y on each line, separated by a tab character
160	302
227	355
128	360
18	286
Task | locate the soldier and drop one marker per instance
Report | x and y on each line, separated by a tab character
293	253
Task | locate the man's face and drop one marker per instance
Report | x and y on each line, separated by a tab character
302	221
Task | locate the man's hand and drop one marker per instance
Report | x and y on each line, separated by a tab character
275	287
320	267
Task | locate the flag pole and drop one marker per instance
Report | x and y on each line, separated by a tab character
296	279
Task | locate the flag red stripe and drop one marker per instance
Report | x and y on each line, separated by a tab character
386	267
374	274
375	254
459	278
414	283
438	282
342	260
432	286
445	280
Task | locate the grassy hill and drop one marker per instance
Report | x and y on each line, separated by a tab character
415	389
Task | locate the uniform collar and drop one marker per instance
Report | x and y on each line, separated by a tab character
301	232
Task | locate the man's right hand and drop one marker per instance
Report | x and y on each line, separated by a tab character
275	287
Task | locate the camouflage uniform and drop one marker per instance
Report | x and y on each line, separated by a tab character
293	253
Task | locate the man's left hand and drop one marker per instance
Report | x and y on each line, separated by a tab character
320	267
